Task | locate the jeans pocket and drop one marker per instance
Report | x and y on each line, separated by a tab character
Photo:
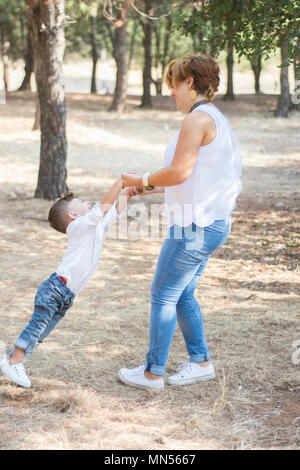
194	238
42	293
215	238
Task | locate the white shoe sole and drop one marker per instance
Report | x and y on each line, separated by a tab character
191	381
132	384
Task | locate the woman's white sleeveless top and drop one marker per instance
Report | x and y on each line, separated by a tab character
210	192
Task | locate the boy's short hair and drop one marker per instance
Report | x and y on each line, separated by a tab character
58	213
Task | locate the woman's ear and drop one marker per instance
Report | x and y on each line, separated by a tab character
190	82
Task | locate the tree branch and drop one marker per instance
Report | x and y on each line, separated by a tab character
147	16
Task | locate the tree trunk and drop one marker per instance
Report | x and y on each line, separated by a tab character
229	61
158	85
157	33
2	83
212	42
132	41
120	93
256	67
29	66
148	28
297	62
195	38
166	44
95	51
161	58
5	61
46	25
198	43
296	96
112	36
37	115
284	100
157	58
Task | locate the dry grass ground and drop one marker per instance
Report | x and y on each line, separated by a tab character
249	292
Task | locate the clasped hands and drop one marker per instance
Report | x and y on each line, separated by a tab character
135	184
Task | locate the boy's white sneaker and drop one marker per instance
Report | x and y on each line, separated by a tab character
136	378
191	372
15	372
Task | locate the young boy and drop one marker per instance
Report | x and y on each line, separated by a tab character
85	226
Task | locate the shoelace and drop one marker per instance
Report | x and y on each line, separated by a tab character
138	369
19	369
185	366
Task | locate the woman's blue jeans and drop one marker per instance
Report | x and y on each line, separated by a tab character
183	257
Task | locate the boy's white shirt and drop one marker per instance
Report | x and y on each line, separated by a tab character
85	235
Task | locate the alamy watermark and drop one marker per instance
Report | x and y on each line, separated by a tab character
152	221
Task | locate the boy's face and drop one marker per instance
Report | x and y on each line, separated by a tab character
77	208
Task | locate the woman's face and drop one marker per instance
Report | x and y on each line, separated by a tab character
180	93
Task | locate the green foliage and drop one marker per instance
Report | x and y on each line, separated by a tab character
78	30
266	24
216	23
13	27
78	27
254	28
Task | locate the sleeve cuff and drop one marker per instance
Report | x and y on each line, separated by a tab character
98	212
110	215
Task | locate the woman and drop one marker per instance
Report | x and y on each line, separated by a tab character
201	181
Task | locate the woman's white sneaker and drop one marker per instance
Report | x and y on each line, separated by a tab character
191	372
15	372
136	378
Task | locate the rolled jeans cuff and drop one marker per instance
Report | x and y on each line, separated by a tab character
156	370
21	344
25	346
200	357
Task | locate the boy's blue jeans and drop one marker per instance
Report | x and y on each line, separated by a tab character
183	257
53	299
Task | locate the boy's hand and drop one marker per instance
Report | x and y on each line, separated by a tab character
135	191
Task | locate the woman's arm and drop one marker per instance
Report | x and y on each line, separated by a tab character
192	133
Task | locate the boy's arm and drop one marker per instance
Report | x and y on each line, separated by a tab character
116	209
123	201
109	198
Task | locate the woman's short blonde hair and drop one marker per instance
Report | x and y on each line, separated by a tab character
204	70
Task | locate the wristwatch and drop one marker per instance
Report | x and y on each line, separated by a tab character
146	183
